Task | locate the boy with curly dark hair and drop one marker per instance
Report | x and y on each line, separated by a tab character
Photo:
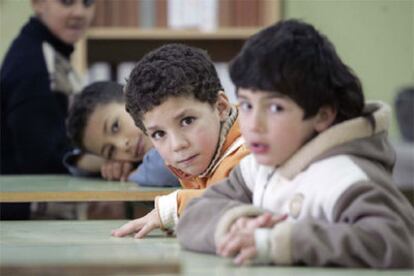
174	95
99	124
317	189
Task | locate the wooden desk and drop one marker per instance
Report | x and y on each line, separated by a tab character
47	243
64	188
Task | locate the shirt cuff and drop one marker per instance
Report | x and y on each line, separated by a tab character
167	210
262	240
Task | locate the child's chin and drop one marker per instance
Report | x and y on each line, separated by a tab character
265	161
192	171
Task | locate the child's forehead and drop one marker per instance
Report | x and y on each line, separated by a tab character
174	108
109	109
260	93
188	101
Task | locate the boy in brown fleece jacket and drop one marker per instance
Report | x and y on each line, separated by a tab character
317	189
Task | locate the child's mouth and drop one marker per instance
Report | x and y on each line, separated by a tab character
188	160
258	148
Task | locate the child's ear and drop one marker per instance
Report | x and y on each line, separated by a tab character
325	118
223	106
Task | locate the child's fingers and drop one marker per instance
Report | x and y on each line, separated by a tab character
126	169
245	255
230	246
116	170
145	230
238	225
277	219
128	228
104	172
260	221
222	244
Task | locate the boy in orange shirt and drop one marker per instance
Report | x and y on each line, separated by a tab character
174	95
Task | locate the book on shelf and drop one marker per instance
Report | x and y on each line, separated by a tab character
98	71
222	69
205	15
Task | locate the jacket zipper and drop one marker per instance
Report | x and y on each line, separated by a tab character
269	176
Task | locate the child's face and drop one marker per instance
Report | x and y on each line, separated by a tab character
186	131
273	126
110	132
66	19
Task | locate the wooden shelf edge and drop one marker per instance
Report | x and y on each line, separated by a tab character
166	34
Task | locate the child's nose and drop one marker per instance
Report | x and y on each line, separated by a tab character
178	142
256	122
123	145
127	145
79	9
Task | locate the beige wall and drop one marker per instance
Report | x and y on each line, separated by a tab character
13	14
374	37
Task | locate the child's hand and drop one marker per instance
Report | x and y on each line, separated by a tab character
116	170
239	241
265	220
240	244
141	226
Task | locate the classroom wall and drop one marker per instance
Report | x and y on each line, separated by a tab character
13	14
374	37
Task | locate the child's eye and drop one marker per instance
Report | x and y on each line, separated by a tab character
187	121
275	108
245	106
88	3
157	135
68	3
115	126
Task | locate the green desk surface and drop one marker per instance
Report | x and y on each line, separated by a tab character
82	242
61	188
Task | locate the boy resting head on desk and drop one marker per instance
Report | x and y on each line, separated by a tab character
317	189
99	124
175	96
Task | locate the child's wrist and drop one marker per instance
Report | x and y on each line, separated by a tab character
262	242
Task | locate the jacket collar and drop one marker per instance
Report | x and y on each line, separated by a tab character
339	134
36	29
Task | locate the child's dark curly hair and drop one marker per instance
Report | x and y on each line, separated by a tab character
85	103
294	59
173	70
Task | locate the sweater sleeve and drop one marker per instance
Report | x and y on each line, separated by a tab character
371	228
153	172
69	160
185	196
197	226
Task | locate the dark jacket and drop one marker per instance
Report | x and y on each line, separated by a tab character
33	135
34	102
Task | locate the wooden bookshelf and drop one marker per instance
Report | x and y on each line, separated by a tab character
114	45
129	33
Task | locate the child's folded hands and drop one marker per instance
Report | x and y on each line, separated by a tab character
239	242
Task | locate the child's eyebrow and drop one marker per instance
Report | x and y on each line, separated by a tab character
273	95
175	118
